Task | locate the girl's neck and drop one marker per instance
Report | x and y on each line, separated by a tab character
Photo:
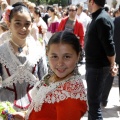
37	19
52	17
55	78
19	42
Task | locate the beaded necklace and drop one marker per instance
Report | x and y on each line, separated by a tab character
20	48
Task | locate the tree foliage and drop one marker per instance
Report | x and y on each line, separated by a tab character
51	2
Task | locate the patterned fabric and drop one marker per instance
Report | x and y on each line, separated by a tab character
56	92
18	78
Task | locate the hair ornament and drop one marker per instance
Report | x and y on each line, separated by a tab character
6	15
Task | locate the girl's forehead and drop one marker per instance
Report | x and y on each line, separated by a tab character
60	45
22	15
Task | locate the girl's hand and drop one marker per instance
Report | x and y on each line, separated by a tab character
19	116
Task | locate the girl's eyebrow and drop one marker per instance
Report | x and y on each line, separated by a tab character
64	54
53	53
20	20
17	20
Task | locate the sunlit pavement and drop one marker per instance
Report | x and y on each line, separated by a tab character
112	110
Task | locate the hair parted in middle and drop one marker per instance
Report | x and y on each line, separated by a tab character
66	37
18	7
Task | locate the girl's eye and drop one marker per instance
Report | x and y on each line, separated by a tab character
18	23
67	57
53	57
27	24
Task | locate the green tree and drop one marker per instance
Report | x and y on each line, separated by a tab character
50	2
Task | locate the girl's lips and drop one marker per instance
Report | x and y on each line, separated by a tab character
22	33
61	70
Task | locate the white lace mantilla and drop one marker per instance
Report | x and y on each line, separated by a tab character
19	71
56	92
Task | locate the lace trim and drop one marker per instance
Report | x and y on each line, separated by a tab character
56	92
5	58
19	76
18	71
11	62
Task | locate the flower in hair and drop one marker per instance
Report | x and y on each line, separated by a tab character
6	15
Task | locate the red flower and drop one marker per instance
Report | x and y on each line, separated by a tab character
6	15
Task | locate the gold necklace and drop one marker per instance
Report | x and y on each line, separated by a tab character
20	48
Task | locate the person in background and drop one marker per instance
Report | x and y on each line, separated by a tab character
70	23
31	6
3	29
46	15
22	63
53	22
60	12
116	12
41	25
65	13
41	7
100	56
60	95
82	16
117	44
3	5
109	81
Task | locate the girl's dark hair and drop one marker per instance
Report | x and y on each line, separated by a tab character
66	37
51	9
37	11
18	7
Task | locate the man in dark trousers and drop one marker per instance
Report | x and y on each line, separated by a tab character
117	43
100	56
109	80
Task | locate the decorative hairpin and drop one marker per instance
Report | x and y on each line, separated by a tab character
6	15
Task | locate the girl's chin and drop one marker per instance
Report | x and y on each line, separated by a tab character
60	77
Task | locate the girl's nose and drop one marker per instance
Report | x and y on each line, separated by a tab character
60	62
23	28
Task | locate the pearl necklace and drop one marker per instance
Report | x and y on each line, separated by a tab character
20	48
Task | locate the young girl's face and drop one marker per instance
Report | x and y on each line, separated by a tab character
20	25
62	59
50	13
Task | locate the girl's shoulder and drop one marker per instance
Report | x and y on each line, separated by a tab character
71	88
74	83
4	37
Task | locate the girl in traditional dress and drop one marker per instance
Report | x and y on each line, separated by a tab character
22	62
53	22
41	25
60	95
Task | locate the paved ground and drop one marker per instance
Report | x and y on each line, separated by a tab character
112	111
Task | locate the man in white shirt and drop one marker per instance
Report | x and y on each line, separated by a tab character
82	16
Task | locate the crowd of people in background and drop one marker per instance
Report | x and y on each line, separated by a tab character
29	55
48	15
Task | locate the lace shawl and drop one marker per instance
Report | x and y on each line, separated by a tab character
59	91
17	70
